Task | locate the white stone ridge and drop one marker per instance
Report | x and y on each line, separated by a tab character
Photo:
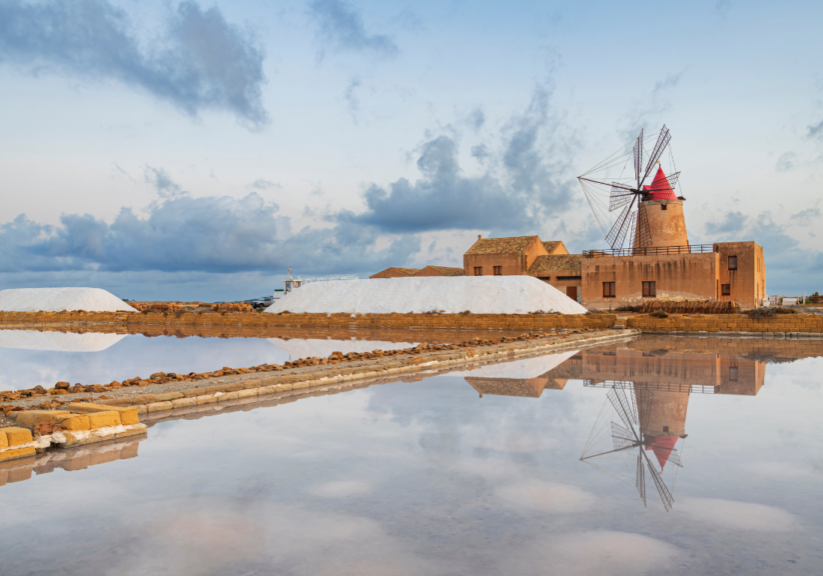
61	300
451	295
58	341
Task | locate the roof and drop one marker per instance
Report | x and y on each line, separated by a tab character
511	245
662	447
394	272
660	187
531	388
441	271
557	263
549	245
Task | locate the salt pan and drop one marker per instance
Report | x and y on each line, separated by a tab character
451	295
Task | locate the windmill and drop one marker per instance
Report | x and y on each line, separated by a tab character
608	192
610	439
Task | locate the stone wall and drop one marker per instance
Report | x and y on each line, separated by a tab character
432	321
733	323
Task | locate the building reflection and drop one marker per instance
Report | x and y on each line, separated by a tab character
642	427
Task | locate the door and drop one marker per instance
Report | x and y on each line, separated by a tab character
571	292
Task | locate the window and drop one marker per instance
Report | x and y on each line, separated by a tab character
478	270
665	428
725	289
664	206
569	277
733	373
649	289
608	289
498	270
732	262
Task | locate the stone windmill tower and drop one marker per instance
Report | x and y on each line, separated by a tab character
648	215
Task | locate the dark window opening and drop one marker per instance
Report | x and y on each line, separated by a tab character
664	206
478	270
649	289
733	373
608	289
569	277
732	262
725	289
498	270
609	353
665	428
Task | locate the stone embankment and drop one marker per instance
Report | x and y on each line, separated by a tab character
50	412
777	326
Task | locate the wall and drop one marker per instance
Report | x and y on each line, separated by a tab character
748	282
667	227
779	323
440	321
678	276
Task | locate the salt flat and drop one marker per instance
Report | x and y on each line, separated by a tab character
60	300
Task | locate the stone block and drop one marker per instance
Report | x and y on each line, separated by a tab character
104	419
17	436
248	393
73	422
13	453
159	406
167	397
184	402
30	418
210	399
132	432
128	416
4	442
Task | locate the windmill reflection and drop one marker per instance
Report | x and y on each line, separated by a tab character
644	415
641	430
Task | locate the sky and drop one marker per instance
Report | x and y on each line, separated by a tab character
197	150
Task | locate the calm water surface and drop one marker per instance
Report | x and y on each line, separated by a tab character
472	472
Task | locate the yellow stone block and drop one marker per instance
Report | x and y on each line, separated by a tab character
4	442
30	418
17	436
73	422
104	419
128	416
13	453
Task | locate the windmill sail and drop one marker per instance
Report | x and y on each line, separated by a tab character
662	141
638	158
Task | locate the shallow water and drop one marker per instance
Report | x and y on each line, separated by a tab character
472	472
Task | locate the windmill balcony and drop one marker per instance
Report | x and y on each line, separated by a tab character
652	251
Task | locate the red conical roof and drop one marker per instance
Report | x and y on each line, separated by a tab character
662	447
660	187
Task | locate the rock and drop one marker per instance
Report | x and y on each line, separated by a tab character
62	385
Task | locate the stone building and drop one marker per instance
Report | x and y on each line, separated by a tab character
661	264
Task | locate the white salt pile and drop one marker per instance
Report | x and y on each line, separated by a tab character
61	299
519	369
451	295
58	341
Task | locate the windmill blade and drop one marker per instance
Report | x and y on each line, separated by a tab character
619	197
633	231
673	179
623	407
621	438
657	152
665	496
674	458
640	478
644	233
617	234
638	158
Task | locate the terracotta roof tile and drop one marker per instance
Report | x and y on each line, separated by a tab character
557	263
511	245
441	270
549	245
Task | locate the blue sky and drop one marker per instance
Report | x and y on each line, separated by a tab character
196	150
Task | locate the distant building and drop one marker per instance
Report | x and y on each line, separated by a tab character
395	272
427	271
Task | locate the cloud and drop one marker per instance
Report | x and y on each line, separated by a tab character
805	217
340	489
786	162
524	183
199	61
263	184
209	234
539	496
732	222
816	131
162	182
341	28
738	515
650	109
352	101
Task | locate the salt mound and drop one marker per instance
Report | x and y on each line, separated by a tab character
58	341
452	295
61	299
519	369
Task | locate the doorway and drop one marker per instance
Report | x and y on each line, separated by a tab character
571	292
